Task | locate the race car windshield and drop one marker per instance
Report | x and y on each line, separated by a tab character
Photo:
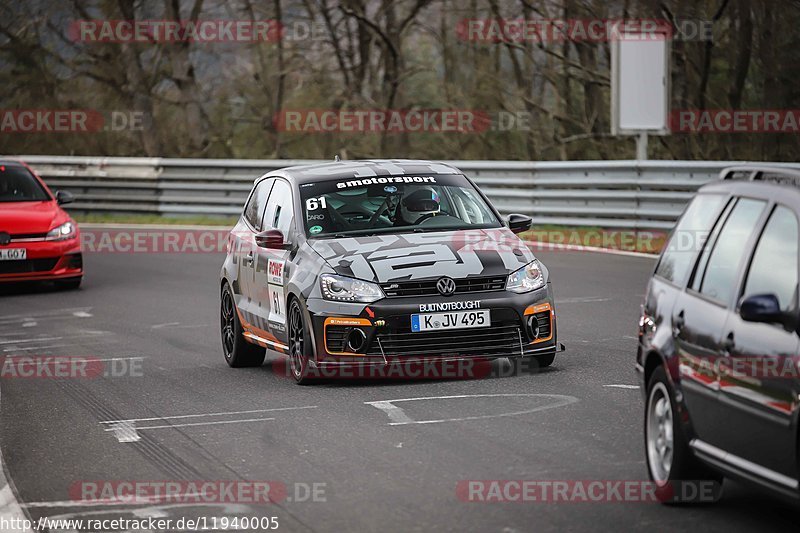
393	204
18	185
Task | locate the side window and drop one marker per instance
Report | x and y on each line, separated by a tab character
280	210
774	266
719	278
687	238
254	209
708	246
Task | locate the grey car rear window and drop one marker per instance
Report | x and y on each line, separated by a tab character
688	237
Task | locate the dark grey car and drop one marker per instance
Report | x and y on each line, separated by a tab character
719	336
371	262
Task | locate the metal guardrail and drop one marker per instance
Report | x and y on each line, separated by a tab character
610	194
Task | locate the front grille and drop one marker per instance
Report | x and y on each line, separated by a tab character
428	287
27	265
499	340
28	236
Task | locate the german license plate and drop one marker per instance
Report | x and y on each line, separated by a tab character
454	320
13	254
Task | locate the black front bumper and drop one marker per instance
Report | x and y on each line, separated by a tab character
387	327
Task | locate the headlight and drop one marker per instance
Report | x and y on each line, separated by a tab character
61	233
341	289
526	279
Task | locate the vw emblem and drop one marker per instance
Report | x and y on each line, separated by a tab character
446	286
5	238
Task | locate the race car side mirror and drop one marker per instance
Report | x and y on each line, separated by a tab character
272	239
518	223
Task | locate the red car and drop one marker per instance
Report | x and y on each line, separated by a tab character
38	240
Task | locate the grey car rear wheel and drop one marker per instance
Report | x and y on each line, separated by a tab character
237	351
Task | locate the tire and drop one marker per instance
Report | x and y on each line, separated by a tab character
670	462
300	346
531	364
545	360
69	284
237	351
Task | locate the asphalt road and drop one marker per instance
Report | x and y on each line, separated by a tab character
156	316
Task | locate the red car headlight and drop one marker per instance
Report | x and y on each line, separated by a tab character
63	232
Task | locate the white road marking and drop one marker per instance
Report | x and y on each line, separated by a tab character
395	414
226	413
82	344
398	417
10	511
167	324
33	340
45	314
87	357
30	320
621	386
47	339
590	299
178	325
127	431
212	423
132	358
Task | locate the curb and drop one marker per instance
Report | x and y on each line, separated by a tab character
11	513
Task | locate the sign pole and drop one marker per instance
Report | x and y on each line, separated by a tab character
641	146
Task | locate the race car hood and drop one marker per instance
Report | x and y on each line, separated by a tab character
29	217
412	256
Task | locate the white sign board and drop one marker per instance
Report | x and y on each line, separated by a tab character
640	84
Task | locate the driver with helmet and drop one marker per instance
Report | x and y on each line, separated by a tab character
417	206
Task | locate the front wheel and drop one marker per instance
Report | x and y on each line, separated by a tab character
300	349
237	351
530	364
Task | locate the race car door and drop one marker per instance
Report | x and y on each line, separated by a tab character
243	235
273	264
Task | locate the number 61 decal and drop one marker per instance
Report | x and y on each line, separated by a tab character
312	204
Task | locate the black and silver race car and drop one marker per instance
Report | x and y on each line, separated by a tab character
374	262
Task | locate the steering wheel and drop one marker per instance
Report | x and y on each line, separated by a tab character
424	217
